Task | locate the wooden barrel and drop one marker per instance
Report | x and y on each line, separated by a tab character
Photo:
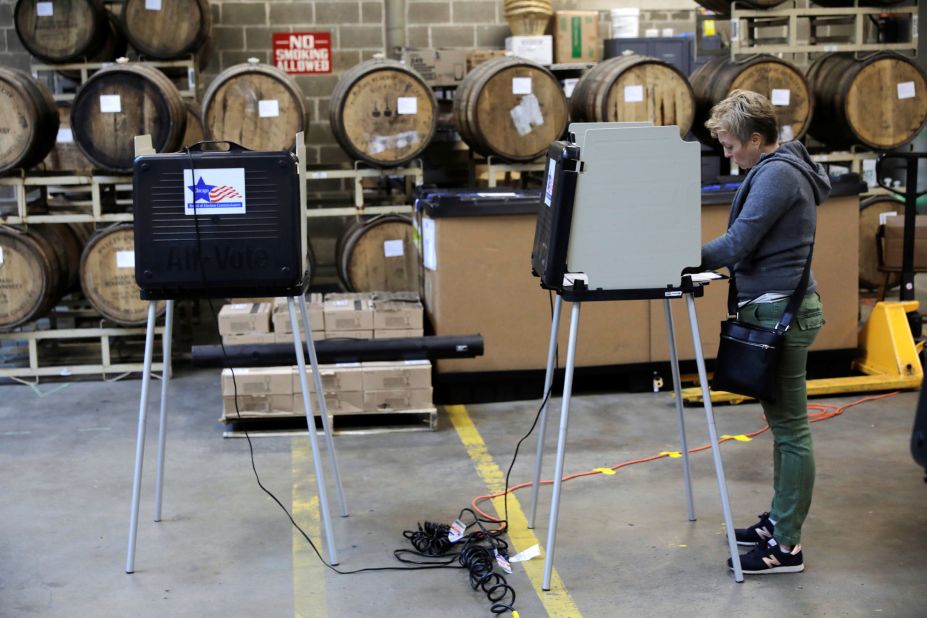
870	277
167	29
633	89
113	46
776	79
63	30
28	120
65	155
194	132
880	101
510	108
30	281
382	112
723	7
107	276
379	254
255	105
122	101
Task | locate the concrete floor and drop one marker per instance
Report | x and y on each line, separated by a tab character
625	546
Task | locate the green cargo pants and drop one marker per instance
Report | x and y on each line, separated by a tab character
793	455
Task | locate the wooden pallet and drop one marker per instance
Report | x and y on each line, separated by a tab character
51	73
86	198
285	424
68	352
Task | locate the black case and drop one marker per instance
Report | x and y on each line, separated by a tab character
255	253
555	215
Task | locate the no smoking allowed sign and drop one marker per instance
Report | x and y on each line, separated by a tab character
303	52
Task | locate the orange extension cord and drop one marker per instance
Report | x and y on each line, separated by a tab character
823	412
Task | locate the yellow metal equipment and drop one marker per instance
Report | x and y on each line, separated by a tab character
889	359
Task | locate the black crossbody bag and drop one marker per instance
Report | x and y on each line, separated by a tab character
748	357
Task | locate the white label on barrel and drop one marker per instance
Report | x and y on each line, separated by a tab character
407	105
153	5
65	135
110	103
125	259
429	253
633	94
781	96
568	86
44	9
268	108
393	248
906	90
521	85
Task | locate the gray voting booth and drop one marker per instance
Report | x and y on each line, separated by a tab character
632	223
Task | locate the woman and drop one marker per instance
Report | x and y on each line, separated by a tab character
770	234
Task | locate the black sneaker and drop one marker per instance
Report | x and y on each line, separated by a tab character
770	558
760	532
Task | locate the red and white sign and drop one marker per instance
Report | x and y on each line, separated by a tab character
303	52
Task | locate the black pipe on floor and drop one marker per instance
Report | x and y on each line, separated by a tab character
341	351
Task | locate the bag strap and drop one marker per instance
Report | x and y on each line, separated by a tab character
794	301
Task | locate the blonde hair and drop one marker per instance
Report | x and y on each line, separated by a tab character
742	114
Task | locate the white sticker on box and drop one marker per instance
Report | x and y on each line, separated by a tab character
906	90
569	85
1	255
125	259
153	5
633	94
44	9
65	135
430	254
215	191
393	248
407	105
781	96
521	85
268	108
110	103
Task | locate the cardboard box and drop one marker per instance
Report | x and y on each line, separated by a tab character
248	339
398	334
341	402
348	312
250	405
577	36
281	314
397	310
479	56
384	376
244	318
317	335
894	242
339	377
349	334
398	399
539	49
258	381
438	67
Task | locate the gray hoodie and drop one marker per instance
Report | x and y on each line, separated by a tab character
772	223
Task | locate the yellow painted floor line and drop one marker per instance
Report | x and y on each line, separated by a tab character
557	601
308	573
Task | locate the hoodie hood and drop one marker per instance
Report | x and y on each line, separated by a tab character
795	154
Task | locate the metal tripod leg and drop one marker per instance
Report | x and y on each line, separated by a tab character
310	421
713	436
165	384
323	407
542	421
677	389
561	445
140	439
